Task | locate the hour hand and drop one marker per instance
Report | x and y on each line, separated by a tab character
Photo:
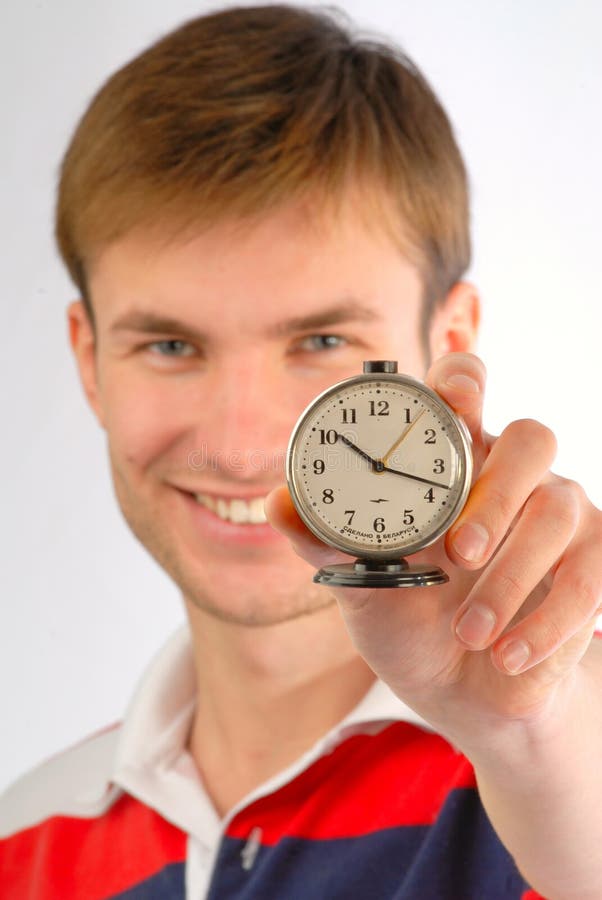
377	465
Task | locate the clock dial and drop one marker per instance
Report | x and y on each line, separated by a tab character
379	466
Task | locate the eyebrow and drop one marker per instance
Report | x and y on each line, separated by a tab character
151	323
347	311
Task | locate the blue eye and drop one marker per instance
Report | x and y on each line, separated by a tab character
172	347
322	342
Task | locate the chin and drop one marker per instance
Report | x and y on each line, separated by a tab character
252	594
261	615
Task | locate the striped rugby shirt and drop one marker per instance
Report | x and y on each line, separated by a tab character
381	808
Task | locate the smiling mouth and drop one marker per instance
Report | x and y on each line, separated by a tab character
235	510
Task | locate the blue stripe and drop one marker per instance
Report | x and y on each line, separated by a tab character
459	857
168	884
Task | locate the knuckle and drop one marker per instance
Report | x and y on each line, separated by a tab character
506	586
586	594
551	634
500	504
535	436
557	505
570	487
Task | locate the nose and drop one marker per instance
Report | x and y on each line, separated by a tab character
247	419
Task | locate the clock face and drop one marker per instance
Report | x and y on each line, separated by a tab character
379	466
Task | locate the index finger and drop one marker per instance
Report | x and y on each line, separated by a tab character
459	378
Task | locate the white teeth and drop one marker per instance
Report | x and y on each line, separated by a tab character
209	502
237	510
257	511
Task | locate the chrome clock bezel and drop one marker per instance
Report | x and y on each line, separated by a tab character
335	539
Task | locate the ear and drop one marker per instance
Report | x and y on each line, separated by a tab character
455	322
83	344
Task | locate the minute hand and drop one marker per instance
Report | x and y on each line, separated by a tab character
402	437
415	477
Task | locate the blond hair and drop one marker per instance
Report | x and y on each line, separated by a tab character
239	111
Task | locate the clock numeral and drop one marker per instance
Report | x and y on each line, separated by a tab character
327	496
350	513
383	407
408	518
348	416
430	436
439	467
430	496
406	416
379	525
319	466
328	437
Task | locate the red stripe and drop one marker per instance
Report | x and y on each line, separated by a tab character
344	794
65	857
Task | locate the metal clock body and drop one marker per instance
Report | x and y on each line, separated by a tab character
379	467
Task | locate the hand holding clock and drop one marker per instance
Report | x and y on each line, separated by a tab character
525	577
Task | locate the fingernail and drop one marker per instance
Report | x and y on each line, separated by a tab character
476	626
470	541
515	655
464	382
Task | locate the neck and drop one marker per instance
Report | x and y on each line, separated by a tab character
266	694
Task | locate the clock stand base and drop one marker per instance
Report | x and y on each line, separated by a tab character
364	573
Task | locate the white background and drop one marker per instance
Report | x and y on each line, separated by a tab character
83	607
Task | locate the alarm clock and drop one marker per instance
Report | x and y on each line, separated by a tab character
379	466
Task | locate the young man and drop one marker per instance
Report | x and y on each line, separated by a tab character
250	209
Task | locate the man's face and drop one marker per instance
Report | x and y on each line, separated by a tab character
207	350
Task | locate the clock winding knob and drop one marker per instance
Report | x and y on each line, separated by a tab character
380	365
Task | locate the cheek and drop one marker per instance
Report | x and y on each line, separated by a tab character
143	422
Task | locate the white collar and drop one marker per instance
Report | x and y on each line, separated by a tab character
153	764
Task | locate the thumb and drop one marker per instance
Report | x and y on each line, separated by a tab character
284	518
